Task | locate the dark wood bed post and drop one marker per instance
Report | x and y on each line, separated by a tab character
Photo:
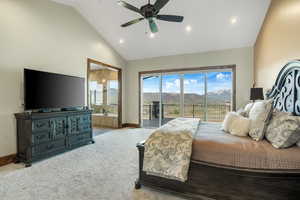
213	181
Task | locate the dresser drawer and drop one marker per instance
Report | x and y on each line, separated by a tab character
85	127
80	119
78	124
49	147
41	137
85	118
41	125
59	127
76	140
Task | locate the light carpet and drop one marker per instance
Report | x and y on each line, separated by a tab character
105	170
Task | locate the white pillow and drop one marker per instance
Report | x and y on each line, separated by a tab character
247	109
242	112
230	116
240	126
259	115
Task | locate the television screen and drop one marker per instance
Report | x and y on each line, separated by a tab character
43	90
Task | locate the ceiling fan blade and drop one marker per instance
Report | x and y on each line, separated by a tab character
153	26
132	22
170	18
128	6
159	4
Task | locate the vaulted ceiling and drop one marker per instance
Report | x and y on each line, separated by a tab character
215	25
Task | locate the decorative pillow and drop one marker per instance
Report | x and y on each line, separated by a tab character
247	109
228	120
277	113
298	143
283	130
240	126
259	115
242	112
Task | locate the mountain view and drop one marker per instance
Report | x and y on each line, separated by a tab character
216	97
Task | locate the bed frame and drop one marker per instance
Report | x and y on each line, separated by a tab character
213	181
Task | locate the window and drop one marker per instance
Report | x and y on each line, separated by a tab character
112	92
96	93
205	94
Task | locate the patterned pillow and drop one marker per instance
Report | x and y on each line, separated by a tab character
277	113
298	143
259	115
283	130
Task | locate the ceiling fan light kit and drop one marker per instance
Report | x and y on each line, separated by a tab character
150	12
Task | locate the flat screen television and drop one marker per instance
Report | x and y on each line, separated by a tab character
43	90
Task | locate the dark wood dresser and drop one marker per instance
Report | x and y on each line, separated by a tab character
41	135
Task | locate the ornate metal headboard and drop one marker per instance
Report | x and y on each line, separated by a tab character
286	91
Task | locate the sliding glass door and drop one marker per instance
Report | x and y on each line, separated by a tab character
219	95
151	98
194	95
199	94
171	97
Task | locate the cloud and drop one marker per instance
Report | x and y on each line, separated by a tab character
177	82
190	81
173	85
194	81
169	85
221	76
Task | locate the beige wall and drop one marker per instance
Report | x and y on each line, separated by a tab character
46	36
242	57
278	42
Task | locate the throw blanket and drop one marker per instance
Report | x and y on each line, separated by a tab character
168	150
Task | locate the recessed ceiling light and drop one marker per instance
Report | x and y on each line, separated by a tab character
121	41
152	35
188	28
233	20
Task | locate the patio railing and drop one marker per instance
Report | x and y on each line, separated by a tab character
214	112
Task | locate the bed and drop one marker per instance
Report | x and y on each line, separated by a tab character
227	167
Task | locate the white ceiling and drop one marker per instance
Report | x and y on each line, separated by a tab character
209	19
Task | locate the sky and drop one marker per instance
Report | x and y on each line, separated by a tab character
193	83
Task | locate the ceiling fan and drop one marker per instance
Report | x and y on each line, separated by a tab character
150	12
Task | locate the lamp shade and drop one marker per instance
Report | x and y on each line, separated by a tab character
256	94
